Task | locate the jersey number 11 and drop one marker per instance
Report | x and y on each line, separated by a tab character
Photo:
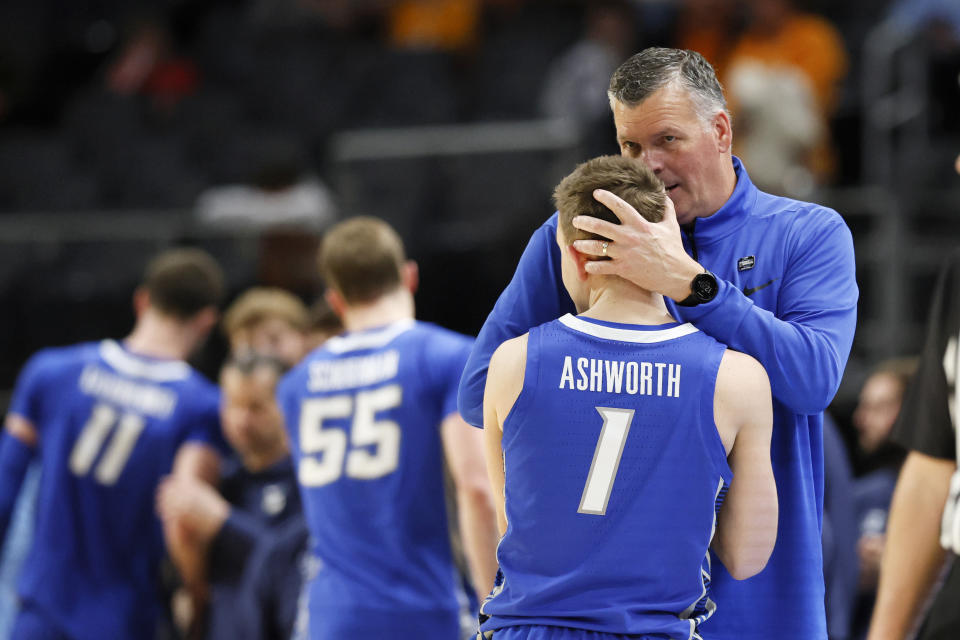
126	429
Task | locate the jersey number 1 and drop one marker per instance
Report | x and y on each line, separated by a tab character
606	460
101	422
324	450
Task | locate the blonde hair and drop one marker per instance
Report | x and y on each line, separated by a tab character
362	258
261	303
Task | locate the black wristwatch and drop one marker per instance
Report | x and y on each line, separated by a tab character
703	289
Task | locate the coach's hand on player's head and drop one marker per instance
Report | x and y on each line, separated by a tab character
648	254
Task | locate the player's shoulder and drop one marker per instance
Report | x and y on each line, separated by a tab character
62	358
299	372
81	352
741	375
440	352
435	335
201	387
734	359
506	374
511	355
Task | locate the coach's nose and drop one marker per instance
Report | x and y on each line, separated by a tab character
653	158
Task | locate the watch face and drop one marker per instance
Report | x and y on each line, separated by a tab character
705	287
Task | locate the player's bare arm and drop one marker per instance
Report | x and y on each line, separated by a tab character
21	429
18	441
504	383
194	504
463	449
912	556
188	550
198	460
648	254
743	411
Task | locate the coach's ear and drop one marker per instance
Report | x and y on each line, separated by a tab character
411	276
723	130
335	299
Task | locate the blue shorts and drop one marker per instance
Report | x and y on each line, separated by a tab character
545	632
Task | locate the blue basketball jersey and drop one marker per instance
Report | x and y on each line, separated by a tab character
614	473
109	423
363	414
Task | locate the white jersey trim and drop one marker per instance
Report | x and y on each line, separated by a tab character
129	364
641	336
371	340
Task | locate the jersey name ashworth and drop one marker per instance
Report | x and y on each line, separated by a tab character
620	376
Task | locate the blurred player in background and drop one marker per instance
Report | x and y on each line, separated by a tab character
108	420
257	493
372	417
616	425
270	321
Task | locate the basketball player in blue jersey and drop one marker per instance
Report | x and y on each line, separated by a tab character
613	438
108	420
372	417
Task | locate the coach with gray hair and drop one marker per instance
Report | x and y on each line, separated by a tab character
766	275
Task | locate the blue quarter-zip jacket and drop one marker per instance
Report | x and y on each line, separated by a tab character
788	297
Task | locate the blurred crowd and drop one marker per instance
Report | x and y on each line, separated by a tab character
230	105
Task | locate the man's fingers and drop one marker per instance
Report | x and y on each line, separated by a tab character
669	212
597	226
626	213
591	247
601	267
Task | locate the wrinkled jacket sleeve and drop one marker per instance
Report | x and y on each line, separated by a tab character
535	295
804	346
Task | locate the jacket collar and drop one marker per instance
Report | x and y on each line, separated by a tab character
734	212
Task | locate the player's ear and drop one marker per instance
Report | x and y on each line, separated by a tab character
206	319
141	300
335	299
410	276
580	261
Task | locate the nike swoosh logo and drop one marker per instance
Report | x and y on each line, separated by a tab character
747	291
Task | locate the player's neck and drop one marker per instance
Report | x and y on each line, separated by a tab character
617	300
160	336
387	309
